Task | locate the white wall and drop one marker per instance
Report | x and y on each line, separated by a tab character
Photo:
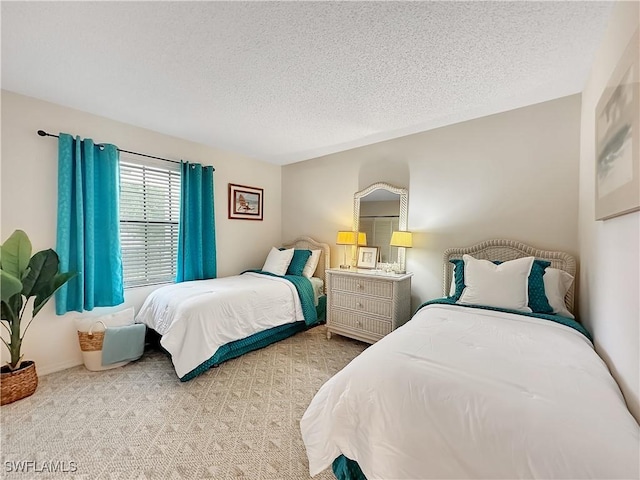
29	198
610	273
512	175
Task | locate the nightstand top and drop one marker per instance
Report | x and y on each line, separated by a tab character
370	273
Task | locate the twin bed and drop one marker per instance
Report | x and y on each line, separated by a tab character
206	322
469	391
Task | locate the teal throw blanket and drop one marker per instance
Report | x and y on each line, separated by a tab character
305	292
122	344
553	318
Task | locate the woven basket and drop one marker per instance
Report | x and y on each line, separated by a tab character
90	341
18	384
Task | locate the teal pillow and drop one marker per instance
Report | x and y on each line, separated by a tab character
298	262
538	301
458	276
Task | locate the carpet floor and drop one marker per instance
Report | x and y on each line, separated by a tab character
237	421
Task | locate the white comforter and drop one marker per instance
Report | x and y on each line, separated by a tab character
468	393
196	318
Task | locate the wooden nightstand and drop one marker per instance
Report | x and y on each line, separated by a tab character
366	306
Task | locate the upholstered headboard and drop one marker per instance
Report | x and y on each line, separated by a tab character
308	243
505	250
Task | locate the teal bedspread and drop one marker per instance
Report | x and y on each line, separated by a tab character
568	322
312	315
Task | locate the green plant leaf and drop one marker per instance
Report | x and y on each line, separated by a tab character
9	286
15	253
25	273
7	313
43	297
43	266
15	304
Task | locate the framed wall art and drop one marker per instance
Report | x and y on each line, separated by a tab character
245	203
618	138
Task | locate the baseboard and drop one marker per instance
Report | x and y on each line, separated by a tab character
42	371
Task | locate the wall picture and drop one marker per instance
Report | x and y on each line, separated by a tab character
618	139
245	203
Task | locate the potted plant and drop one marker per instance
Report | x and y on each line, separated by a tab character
22	277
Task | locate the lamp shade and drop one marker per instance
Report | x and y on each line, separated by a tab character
362	239
346	238
401	239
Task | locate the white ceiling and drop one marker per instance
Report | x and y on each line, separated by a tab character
289	81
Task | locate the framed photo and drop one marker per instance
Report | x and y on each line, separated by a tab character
367	257
618	138
245	203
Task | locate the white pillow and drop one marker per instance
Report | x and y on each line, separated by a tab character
312	263
118	319
278	261
556	286
502	286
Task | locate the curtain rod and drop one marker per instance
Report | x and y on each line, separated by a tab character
42	133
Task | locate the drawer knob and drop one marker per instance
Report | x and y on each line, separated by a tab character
359	305
358	285
358	322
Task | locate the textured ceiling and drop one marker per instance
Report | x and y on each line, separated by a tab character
288	81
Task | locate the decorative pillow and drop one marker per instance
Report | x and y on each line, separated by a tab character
457	282
538	301
452	288
118	319
312	263
502	286
298	262
278	261
556	286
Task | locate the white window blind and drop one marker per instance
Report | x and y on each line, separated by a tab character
149	215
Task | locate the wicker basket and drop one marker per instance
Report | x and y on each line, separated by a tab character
91	345
90	341
18	384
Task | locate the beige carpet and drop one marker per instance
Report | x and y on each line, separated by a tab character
237	421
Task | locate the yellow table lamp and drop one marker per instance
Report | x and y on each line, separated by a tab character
346	238
401	239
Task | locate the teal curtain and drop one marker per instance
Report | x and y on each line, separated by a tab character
196	234
88	236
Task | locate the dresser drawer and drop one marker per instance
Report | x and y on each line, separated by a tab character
350	320
362	286
362	304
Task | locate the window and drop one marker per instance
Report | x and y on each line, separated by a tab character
149	215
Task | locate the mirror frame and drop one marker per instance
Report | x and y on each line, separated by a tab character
402	220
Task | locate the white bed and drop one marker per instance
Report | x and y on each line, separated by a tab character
196	318
466	393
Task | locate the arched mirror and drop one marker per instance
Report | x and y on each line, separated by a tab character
379	210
